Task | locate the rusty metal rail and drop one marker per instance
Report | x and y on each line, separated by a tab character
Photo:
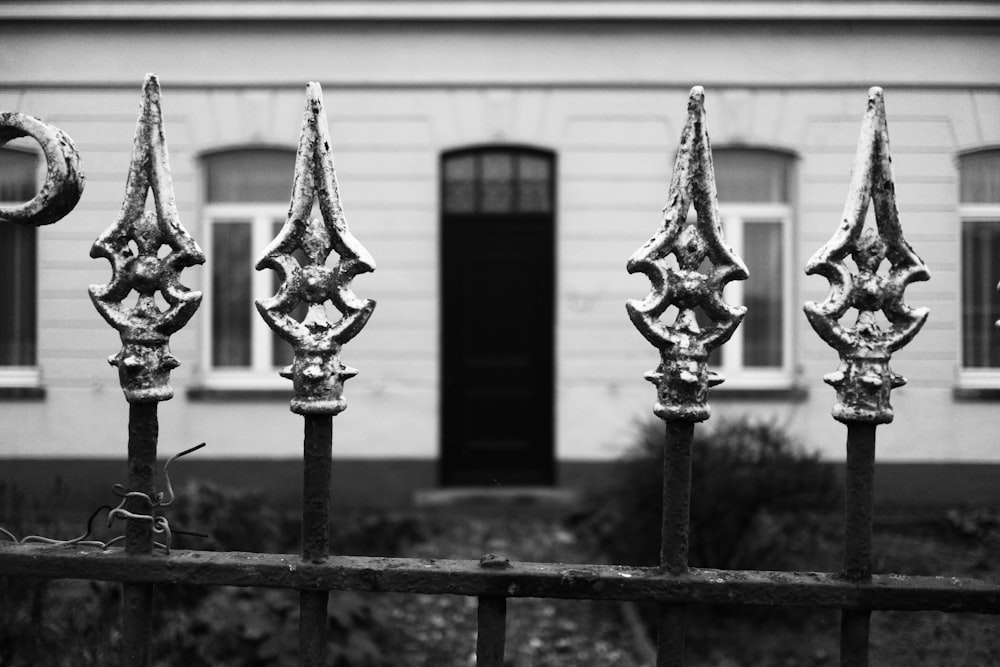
688	264
521	579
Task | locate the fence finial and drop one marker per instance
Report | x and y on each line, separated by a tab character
317	373
132	245
683	378
864	380
63	176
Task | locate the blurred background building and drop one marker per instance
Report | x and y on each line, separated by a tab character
501	160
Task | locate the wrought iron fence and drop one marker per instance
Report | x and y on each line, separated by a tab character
684	316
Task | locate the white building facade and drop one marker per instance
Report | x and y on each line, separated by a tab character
501	161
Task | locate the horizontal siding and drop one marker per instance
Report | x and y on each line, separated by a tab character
987	106
836	167
614	157
606	165
619	131
908	195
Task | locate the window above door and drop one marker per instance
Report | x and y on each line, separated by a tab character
497	181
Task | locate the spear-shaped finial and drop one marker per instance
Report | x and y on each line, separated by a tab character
317	373
864	380
132	245
683	378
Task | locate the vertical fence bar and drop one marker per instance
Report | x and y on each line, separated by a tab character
682	378
676	496
863	379
317	467
132	244
859	497
316	372
674	536
137	599
492	631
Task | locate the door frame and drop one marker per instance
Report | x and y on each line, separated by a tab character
448	456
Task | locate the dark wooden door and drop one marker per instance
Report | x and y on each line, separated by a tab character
497	324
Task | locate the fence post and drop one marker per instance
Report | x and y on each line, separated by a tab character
316	371
144	363
863	379
682	378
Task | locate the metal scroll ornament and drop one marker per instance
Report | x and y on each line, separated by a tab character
63	177
864	380
316	372
133	246
682	379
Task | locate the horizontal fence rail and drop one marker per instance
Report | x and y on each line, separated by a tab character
522	579
685	316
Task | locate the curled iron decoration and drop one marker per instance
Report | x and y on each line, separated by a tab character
132	244
316	372
864	380
682	378
64	178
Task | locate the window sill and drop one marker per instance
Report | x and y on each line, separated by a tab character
230	394
794	393
980	393
21	383
23	393
977	385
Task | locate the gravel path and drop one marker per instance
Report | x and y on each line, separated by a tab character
440	631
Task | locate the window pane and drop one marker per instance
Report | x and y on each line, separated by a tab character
281	351
715	357
249	175
18	257
752	176
980	178
18	181
534	184
497	182
18	326
762	295
980	301
460	184
231	299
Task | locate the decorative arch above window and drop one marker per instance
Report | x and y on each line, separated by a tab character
753	175
498	180
250	174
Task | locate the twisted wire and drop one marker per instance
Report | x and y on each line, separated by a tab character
160	524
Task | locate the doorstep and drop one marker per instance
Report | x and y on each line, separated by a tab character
499	498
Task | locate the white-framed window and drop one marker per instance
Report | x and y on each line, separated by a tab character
979	209
755	204
247	191
20	171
